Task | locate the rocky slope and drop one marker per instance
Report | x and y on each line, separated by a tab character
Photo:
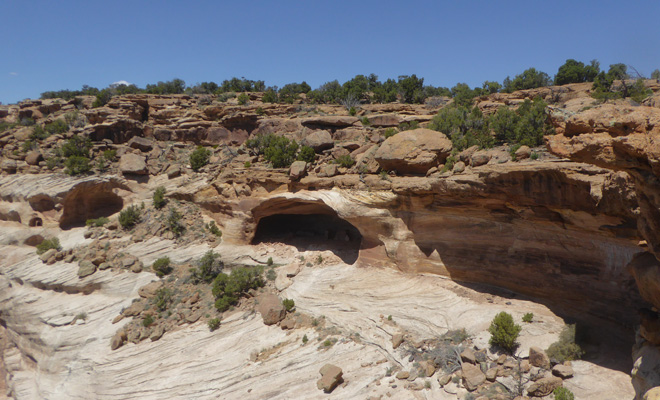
575	229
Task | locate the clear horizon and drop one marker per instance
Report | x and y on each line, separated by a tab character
68	44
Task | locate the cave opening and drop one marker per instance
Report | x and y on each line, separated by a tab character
89	203
314	231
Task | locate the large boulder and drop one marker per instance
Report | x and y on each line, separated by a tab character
538	358
414	151
472	377
140	143
271	309
297	170
331	376
384	120
544	386
132	164
318	140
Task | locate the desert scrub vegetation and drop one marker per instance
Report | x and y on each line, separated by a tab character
208	267
97	222
199	158
162	299
504	332
561	393
280	151
47	244
213	228
214	324
528	317
162	266
306	154
173	222
130	216
467	126
345	161
227	289
289	304
566	348
159	200
76	152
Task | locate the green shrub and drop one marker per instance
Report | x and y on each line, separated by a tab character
528	79
55	127
534	156
243	99
47	244
270	96
28	145
214	324
110	155
159	200
464	126
227	289
173	223
213	228
98	222
365	121
456	336
449	163
307	154
38	133
162	299
352	111
199	158
408	126
565	349
269	262
528	317
129	217
561	393
345	161
389	132
162	266
208	267
289	304
576	72
77	165
281	152
147	320
305	339
76	146
504	332
6	125
27	122
247	164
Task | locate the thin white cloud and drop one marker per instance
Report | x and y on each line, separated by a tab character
13	73
118	83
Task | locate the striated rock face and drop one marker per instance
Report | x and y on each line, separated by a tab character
560	232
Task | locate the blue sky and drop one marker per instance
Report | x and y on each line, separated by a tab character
52	45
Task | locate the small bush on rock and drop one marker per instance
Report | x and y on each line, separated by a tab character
208	267
199	158
213	228
162	299
345	161
129	217
148	320
214	324
77	165
504	332
289	304
159	200
98	222
57	126
162	266
561	393
307	154
565	349
229	288
38	133
174	224
528	317
47	244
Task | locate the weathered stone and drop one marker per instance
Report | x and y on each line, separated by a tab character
128	261
538	358
384	120
468	356
9	166
329	121
403	375
117	340
33	157
47	255
562	371
331	376
86	268
413	151
288	323
472	377
459	167
523	153
132	164
104	266
149	290
491	374
479	158
444	379
136	267
297	170
318	140
653	394
157	333
328	170
140	143
173	171
271	309
397	339
544	386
